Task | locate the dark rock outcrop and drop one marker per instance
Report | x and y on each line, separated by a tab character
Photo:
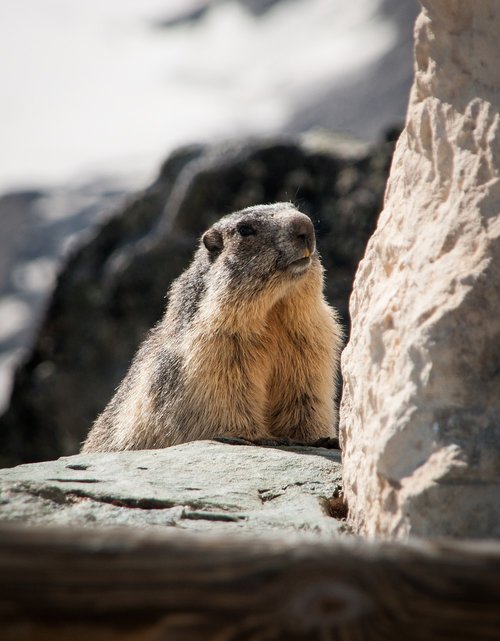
39	227
113	288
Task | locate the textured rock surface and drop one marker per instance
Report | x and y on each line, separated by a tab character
113	289
197	486
420	416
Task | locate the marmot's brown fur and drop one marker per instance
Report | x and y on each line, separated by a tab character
248	346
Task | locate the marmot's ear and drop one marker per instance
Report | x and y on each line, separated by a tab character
212	239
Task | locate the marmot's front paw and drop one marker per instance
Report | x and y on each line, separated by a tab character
328	442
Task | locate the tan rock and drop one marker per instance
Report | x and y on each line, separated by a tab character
420	415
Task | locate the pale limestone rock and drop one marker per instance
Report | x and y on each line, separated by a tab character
420	415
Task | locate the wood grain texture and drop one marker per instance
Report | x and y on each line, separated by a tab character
59	584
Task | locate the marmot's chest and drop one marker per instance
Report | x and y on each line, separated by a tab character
229	358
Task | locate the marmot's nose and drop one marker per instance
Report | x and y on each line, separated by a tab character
304	231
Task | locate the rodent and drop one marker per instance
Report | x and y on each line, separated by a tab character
248	346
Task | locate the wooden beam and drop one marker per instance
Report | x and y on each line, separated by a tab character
102	585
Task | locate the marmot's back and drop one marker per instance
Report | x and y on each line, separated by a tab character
247	346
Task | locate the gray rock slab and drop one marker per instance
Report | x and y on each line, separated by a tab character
199	486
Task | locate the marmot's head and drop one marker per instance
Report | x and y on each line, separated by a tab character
263	247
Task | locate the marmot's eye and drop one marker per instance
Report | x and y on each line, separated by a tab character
245	230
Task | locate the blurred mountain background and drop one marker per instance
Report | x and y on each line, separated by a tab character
94	95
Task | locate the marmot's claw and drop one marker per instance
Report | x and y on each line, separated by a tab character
328	442
232	440
273	442
262	442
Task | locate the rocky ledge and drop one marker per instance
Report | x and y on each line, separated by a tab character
199	486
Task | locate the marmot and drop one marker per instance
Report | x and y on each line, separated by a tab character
248	347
